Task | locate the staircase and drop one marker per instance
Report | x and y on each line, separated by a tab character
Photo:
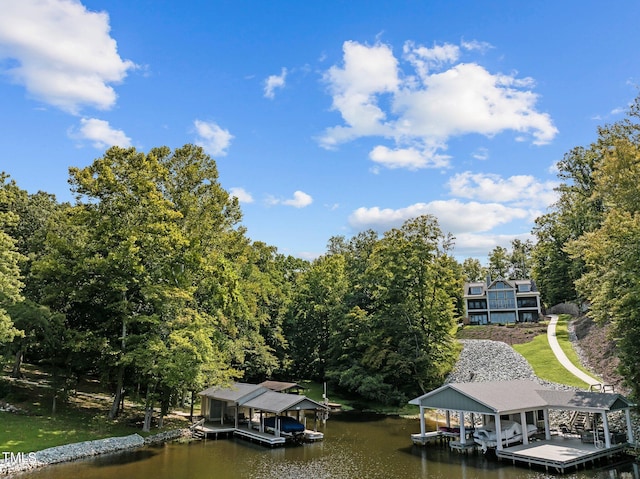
196	431
579	421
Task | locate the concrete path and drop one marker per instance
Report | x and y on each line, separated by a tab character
562	357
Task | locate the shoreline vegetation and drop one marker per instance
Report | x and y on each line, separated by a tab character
80	428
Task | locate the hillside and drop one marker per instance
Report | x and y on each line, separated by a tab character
597	351
592	342
517	334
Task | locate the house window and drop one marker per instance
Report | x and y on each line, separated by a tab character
475	290
527	316
478	318
524	288
476	304
503	318
502	299
527	303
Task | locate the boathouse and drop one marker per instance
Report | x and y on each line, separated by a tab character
527	404
254	412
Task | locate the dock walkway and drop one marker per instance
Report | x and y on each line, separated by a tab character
251	434
558	453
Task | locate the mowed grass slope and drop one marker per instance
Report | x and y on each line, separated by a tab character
531	341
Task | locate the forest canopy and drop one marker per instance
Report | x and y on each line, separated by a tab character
149	282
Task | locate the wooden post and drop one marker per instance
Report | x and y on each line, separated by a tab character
523	424
463	432
422	425
498	433
627	415
605	425
547	426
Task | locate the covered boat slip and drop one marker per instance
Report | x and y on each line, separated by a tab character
498	405
257	413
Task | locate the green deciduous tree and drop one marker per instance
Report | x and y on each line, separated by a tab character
136	269
472	270
318	304
414	288
10	277
499	263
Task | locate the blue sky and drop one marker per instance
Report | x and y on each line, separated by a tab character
325	118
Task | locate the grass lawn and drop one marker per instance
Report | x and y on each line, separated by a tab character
544	363
81	418
21	433
562	334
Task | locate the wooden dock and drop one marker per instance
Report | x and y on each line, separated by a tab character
426	438
558	453
263	438
216	431
208	430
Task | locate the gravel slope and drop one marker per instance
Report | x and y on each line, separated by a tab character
485	360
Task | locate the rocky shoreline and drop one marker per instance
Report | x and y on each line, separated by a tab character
22	462
480	360
486	360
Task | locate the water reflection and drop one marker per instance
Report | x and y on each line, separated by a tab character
354	447
127	457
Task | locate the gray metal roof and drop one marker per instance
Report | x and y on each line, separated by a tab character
236	393
585	400
274	402
279	385
504	397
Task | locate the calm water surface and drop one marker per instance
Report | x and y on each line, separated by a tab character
354	447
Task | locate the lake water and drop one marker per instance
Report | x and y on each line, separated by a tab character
355	446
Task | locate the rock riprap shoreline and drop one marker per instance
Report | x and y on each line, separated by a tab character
485	360
20	462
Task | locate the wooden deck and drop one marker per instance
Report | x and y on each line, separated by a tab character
426	438
558	453
214	430
264	438
252	434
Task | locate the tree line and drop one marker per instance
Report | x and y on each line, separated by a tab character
149	282
588	244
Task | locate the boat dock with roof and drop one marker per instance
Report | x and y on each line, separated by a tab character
517	412
258	413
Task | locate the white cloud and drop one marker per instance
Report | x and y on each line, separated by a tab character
519	190
409	158
300	200
367	72
100	133
424	59
61	52
478	246
243	195
481	154
453	216
419	115
475	45
212	138
273	82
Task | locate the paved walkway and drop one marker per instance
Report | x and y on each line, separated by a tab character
562	357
